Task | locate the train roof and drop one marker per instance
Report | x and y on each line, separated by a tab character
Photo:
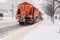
25	3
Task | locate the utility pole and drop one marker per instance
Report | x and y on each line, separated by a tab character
53	11
12	11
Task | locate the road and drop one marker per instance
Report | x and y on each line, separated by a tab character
15	32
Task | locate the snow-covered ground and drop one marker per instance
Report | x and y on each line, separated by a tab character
7	22
45	30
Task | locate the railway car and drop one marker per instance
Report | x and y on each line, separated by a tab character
27	14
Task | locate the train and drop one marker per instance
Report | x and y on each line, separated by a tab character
28	14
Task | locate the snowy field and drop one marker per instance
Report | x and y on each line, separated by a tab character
45	30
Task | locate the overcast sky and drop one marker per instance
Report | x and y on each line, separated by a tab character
3	1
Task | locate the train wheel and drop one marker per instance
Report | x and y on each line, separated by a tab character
21	23
36	20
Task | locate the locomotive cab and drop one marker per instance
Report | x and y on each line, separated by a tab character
27	13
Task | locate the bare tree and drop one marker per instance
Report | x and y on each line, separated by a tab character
50	8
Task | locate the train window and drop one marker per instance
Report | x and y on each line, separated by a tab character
27	7
22	8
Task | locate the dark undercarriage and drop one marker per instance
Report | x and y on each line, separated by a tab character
27	21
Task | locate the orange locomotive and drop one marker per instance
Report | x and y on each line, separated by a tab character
27	13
